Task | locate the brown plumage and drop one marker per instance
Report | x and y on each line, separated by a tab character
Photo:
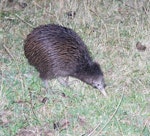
57	51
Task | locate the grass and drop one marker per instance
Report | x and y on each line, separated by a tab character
111	30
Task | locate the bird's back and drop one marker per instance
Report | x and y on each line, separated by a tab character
56	51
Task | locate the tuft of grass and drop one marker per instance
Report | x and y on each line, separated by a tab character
111	30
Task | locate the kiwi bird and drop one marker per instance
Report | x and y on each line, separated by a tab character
56	51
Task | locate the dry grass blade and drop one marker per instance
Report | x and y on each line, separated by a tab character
8	52
112	114
24	21
92	133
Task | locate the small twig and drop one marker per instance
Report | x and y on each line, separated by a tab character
130	7
35	3
93	12
109	118
1	82
21	102
8	52
24	21
38	5
32	107
145	125
119	126
105	27
112	114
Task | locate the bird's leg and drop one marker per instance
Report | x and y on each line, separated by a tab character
46	85
48	89
64	81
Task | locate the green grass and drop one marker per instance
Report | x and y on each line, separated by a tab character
111	30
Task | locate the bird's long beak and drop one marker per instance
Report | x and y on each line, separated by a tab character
103	92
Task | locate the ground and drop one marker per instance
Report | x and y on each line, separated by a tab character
117	34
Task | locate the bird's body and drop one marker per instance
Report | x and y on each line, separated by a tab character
57	51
